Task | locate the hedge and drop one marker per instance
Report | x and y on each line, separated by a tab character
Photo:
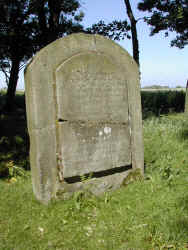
162	102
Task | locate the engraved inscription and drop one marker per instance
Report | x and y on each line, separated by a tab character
85	91
92	99
93	148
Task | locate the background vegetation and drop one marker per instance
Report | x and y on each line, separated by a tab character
162	102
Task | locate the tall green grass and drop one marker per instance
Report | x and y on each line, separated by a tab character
147	214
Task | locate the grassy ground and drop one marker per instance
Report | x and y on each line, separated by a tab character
148	214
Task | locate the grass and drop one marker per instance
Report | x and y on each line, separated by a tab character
147	214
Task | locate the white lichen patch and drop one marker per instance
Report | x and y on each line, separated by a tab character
107	130
100	133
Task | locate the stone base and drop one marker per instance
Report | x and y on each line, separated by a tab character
95	186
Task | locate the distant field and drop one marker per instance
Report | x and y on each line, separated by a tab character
18	92
164	89
21	92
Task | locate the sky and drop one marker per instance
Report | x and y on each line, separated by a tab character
160	64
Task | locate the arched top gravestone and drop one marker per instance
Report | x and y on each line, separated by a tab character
84	116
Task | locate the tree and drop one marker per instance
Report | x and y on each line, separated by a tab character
16	41
56	19
118	30
133	22
29	25
168	16
5	68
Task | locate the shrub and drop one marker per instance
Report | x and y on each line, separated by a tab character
162	102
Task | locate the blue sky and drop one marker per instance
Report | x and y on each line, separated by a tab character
160	63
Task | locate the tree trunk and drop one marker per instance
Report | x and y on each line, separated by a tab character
43	25
133	31
53	20
11	92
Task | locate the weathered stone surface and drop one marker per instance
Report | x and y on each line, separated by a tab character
87	148
84	114
96	186
42	158
90	87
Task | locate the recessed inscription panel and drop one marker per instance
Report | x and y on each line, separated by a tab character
87	148
90	87
92	99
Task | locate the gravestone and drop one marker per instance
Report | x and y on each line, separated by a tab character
84	116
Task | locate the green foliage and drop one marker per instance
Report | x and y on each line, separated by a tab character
168	16
162	102
14	156
116	30
168	136
28	23
26	27
156	87
134	175
19	29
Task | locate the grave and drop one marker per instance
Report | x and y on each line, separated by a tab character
84	116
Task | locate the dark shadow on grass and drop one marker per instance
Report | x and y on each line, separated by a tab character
183	201
183	136
14	123
180	223
14	141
